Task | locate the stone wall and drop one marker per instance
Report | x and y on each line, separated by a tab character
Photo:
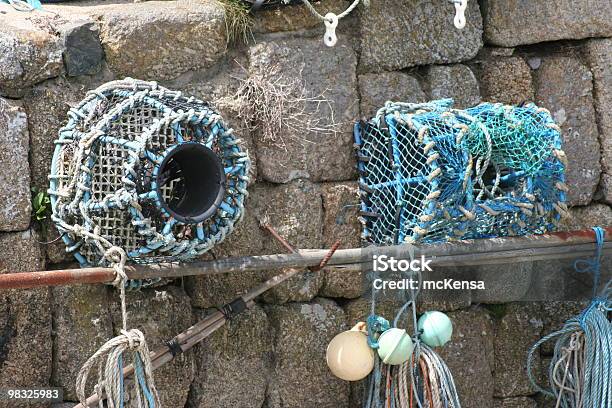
553	52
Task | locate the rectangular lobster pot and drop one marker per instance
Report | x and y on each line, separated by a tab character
431	173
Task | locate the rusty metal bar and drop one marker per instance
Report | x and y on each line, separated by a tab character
560	245
27	280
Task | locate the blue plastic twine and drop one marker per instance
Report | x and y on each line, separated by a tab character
593	265
143	383
376	324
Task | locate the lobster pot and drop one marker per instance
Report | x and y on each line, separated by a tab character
430	173
148	170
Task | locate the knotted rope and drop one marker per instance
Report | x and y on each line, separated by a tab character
593	265
132	342
580	372
338	16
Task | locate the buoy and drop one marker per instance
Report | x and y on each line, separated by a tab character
395	346
349	356
436	327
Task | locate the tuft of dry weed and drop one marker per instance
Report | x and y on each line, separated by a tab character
278	107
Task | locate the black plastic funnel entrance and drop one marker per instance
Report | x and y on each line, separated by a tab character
191	183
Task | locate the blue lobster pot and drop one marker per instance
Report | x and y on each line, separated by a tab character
431	173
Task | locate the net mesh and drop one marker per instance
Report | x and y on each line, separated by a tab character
105	172
431	173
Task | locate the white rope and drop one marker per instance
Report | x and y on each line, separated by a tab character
130	342
339	16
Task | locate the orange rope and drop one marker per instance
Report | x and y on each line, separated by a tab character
426	379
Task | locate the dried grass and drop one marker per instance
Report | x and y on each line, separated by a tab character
279	107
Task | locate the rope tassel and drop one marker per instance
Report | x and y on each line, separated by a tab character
129	344
580	372
437	384
424	381
111	357
422	378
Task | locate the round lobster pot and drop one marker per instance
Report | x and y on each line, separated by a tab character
148	170
430	173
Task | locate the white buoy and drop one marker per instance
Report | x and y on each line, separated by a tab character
349	356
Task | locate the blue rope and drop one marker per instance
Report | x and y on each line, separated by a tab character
593	265
594	385
120	365
142	381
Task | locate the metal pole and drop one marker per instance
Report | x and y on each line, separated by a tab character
560	245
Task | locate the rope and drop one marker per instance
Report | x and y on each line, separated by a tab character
339	16
459	21
331	20
593	265
580	372
110	357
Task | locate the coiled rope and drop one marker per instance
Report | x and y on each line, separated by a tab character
130	343
580	372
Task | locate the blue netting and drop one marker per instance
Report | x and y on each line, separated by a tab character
430	173
24	5
133	168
